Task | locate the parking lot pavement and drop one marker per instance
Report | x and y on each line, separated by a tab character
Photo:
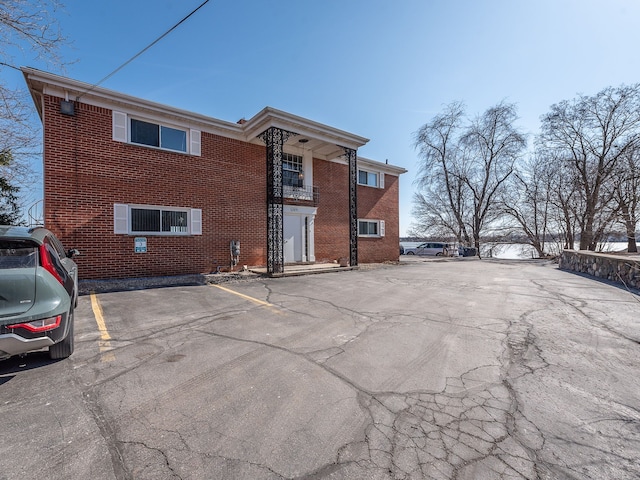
438	369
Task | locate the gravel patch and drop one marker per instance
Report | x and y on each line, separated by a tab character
86	287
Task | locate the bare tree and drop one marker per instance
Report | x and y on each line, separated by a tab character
27	27
566	199
434	216
627	195
528	202
464	167
442	205
591	136
9	213
492	145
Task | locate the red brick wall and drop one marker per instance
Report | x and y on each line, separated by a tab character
380	204
332	220
86	172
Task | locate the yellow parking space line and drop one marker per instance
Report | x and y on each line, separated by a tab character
257	301
105	339
97	312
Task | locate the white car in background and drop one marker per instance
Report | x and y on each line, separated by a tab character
430	248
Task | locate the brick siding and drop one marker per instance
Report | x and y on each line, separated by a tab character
380	204
86	172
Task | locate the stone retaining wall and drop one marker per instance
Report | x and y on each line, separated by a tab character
620	269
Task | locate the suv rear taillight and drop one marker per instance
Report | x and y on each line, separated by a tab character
39	325
47	263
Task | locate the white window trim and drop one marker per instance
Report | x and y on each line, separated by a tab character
195	142
378	173
122	220
121	129
300	172
381	228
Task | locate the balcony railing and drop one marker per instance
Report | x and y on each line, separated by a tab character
306	194
35	214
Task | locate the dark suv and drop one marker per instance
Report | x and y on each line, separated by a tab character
38	292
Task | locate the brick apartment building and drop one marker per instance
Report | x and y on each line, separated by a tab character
144	189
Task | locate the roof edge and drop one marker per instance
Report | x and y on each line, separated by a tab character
272	117
382	166
37	79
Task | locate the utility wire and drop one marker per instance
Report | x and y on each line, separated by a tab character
10	66
142	51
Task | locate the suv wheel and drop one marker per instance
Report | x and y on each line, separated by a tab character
64	348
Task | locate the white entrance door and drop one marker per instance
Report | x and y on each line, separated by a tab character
292	238
298	232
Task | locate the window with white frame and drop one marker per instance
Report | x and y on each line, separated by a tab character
371	228
154	220
371	179
292	171
155	134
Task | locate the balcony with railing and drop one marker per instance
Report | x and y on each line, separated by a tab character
302	194
294	189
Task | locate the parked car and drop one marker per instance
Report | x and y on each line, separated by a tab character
429	248
466	251
38	293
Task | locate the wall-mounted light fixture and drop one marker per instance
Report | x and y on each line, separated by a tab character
67	107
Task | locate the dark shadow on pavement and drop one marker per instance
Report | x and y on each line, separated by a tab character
621	286
21	364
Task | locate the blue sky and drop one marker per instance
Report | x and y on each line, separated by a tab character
376	68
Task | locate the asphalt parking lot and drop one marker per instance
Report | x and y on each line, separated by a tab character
444	369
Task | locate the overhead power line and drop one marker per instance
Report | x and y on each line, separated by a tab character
10	66
143	50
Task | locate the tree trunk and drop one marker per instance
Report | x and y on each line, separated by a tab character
476	244
586	234
630	226
540	249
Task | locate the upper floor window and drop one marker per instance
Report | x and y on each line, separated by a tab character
160	136
157	135
292	171
371	179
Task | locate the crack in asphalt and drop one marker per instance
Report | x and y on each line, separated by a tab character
437	434
431	434
108	433
576	305
470	429
165	457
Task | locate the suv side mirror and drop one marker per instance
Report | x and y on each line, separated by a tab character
72	253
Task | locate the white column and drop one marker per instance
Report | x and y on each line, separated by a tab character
312	251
